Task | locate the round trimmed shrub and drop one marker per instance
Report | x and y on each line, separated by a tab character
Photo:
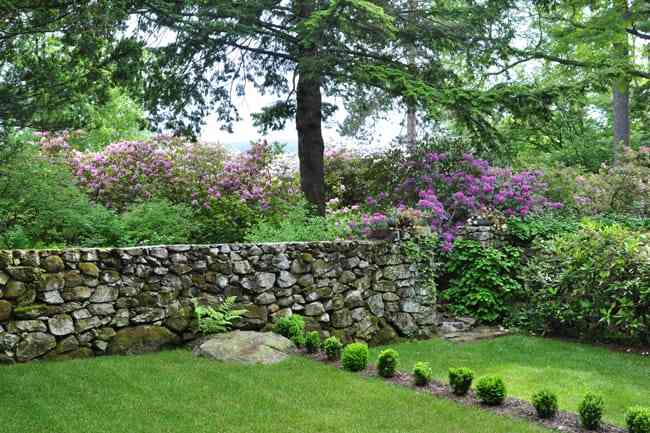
312	342
638	419
460	380
591	411
545	403
387	362
332	347
422	373
491	390
355	356
292	327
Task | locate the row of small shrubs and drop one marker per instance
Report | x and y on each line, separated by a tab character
490	390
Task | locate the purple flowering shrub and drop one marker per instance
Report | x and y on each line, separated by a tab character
443	192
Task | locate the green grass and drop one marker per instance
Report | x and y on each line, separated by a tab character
175	392
528	364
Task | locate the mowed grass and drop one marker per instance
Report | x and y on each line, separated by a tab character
175	392
528	364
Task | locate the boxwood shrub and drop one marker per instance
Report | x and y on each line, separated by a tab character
491	390
545	403
355	357
422	373
460	380
591	411
638	419
387	362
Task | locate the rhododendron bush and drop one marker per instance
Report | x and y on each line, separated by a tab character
196	174
443	192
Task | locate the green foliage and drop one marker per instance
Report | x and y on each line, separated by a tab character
292	327
593	283
483	280
295	223
214	320
332	347
591	411
525	231
422	373
491	390
312	342
545	403
228	220
157	222
355	357
638	419
41	207
423	250
460	380
387	362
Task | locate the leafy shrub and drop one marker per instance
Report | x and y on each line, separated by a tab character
332	347
295	223
638	420
213	320
292	327
157	222
460	380
312	342
225	220
590	284
491	390
422	373
387	362
545	403
591	411
483	280
40	206
355	356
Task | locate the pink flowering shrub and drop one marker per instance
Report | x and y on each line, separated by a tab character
443	192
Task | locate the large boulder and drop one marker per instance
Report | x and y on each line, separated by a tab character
246	347
34	345
142	339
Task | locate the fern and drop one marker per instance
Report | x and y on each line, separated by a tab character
218	319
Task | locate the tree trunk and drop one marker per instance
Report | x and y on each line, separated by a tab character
621	115
310	138
309	119
411	116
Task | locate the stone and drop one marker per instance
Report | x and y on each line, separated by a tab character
281	261
360	314
53	264
142	339
28	326
73	279
5	311
19	291
26	274
398	272
67	344
354	299
158	252
246	347
299	267
31	311
341	318
347	277
34	345
53	297
61	325
101	309
286	279
410	306
242	267
179	321
405	324
105	294
6	259
376	305
89	269
8	342
105	334
256	315
265	280
384	334
390	297
325	318
306	280
81	314
121	318
314	309
78	293
148	315
320	267
110	277
265	298
4	278
89	323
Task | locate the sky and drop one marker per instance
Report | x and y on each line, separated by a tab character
245	132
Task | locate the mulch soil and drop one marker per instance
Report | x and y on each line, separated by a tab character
512	407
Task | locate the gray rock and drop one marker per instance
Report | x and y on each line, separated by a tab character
3	278
281	261
121	318
102	309
405	324
8	342
68	344
104	294
81	314
78	293
53	298
341	318
286	279
265	298
376	305
265	280
34	345
399	272
5	310
246	347
354	299
242	267
61	325
159	253
148	315
142	339
410	306
314	309
89	323
53	264
28	326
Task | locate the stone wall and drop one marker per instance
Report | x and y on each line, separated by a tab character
79	303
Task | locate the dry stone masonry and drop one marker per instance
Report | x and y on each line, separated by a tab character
81	303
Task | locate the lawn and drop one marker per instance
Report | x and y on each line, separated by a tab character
528	364
175	392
